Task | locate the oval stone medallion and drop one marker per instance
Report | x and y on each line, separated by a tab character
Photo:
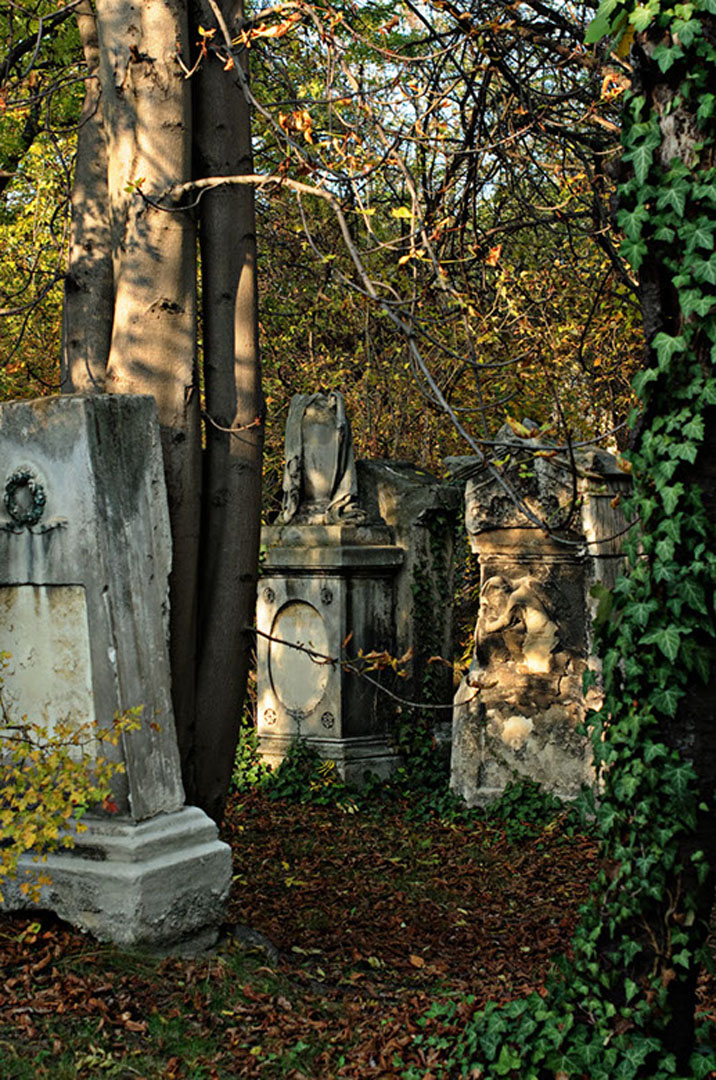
299	682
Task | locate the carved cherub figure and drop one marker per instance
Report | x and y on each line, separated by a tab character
517	606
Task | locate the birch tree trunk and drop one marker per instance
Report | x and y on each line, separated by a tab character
232	458
147	111
89	296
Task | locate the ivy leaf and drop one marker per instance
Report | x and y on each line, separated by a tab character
666	346
668	640
688	451
665	550
672	528
631	221
507	1061
675	197
692	300
642	380
679	779
665	234
706	191
686	31
670	497
600	25
707	106
700	233
643	16
666	56
641	611
694	595
705	270
667	699
641	158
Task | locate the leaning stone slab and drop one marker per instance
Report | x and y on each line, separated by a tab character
85	555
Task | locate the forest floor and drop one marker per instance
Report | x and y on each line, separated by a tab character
360	923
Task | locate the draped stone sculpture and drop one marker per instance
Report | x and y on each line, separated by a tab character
319	481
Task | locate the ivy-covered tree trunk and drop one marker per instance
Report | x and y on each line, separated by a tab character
624	1006
668	212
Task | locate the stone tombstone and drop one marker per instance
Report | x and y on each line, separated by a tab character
85	555
328	579
521	703
422	511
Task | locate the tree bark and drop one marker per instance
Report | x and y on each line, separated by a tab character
692	732
147	109
231	514
89	290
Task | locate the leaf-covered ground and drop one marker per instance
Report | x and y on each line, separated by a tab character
359	922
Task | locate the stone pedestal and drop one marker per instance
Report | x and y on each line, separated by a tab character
320	584
85	555
521	705
158	884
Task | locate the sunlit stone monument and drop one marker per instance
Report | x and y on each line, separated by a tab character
85	554
521	704
326	596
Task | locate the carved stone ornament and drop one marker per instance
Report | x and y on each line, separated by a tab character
517	612
270	717
25	500
328	720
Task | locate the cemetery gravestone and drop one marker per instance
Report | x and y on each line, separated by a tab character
85	555
422	512
327	592
521	705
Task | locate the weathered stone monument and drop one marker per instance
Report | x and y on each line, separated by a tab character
521	703
85	554
326	594
422	511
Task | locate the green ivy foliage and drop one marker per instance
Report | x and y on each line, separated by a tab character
607	1013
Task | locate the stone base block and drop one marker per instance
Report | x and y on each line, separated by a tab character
353	757
490	747
159	884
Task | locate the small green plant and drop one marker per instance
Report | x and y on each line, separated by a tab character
49	778
525	807
302	777
250	770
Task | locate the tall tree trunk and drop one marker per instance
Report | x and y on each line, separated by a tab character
147	109
232	458
692	732
89	295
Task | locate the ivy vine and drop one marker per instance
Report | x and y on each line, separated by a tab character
616	1010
